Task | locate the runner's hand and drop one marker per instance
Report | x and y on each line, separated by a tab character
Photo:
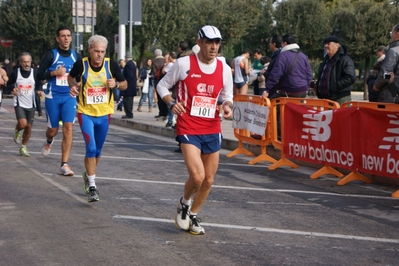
74	91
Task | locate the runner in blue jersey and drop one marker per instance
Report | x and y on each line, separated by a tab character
54	68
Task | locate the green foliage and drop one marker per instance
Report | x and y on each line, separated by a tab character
362	25
33	24
307	20
107	22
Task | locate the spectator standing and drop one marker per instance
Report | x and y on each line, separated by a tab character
201	78
7	66
257	66
24	87
275	45
391	60
100	75
373	95
183	50
3	83
265	61
380	53
54	68
146	75
37	95
118	97
171	59
157	65
291	73
240	66
131	74
336	73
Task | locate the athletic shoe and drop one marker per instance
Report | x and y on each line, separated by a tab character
65	170
17	137
93	195
46	148
195	227
86	183
24	151
182	219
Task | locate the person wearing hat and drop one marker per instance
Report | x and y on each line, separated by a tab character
201	78
131	74
336	73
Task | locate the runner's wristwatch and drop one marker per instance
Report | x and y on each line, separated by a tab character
171	104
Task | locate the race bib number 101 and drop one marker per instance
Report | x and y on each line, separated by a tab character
203	107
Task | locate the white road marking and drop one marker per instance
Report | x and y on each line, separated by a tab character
268	230
250	188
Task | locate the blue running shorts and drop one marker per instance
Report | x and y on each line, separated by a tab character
60	109
206	143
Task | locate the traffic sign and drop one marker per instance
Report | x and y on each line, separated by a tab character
6	42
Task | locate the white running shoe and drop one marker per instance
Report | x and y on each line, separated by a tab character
65	170
195	227
93	195
182	219
46	148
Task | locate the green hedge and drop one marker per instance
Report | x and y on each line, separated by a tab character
358	86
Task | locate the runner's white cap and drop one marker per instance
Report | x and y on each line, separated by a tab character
209	32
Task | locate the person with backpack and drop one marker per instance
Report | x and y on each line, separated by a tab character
146	76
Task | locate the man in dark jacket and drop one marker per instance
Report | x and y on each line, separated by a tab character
336	73
275	46
130	73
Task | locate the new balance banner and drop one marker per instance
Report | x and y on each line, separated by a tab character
357	139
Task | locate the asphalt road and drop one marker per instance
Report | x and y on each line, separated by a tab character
253	216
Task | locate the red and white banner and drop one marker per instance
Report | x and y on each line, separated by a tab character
357	139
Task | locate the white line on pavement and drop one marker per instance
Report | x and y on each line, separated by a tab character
269	230
250	188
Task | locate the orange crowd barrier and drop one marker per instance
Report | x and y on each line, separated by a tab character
316	104
243	135
355	175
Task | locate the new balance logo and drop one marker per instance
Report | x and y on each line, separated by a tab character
392	140
318	125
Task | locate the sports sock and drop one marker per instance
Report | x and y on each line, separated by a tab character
186	202
92	181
